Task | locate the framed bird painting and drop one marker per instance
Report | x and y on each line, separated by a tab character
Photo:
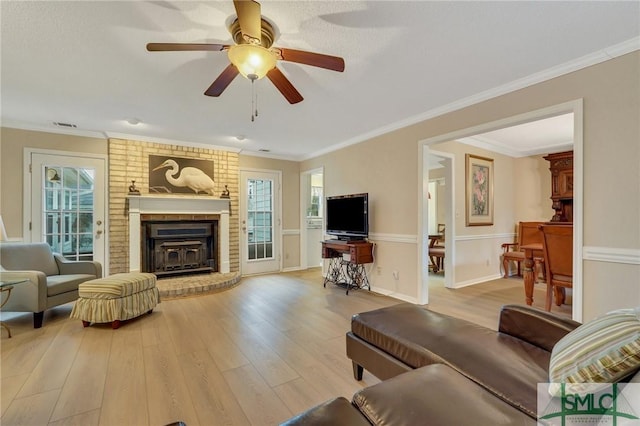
176	175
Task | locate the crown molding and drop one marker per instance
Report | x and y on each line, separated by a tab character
482	142
594	58
163	141
268	155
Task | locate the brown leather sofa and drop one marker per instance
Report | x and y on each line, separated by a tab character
440	370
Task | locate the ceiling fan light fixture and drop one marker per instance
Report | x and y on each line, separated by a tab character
252	61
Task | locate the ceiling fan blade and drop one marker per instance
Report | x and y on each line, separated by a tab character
174	47
333	63
249	17
223	80
285	87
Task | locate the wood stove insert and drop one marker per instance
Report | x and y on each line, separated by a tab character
172	247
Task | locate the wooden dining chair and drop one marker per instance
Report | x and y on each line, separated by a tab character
528	233
557	247
436	250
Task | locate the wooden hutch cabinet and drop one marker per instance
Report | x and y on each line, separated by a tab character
561	167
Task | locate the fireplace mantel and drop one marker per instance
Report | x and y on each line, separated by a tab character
172	204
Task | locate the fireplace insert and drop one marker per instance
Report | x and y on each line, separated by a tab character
178	247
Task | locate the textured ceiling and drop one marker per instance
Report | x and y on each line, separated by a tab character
85	63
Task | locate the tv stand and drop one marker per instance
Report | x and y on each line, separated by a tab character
350	273
352	239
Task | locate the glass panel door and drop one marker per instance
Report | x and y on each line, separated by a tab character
260	219
259	222
68	211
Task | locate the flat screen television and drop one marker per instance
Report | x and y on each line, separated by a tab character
348	216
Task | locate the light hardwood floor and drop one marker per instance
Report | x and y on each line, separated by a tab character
253	355
481	303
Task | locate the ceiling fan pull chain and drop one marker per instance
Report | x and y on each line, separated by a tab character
253	116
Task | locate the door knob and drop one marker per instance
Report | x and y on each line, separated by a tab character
99	231
99	222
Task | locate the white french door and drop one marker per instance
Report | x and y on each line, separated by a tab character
259	221
68	205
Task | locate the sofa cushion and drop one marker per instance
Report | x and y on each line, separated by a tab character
508	367
600	351
58	284
117	285
338	411
435	395
28	257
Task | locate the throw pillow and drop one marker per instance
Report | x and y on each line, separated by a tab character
604	350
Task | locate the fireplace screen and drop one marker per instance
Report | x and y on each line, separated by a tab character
176	247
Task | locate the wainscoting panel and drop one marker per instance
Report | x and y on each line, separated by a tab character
610	254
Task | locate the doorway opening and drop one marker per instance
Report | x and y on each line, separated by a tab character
465	235
440	203
311	218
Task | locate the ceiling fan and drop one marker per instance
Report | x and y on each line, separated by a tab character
253	54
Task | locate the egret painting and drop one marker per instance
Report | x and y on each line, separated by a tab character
180	175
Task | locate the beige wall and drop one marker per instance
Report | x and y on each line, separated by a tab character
532	189
290	203
12	145
387	167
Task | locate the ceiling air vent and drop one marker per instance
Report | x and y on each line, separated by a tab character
67	125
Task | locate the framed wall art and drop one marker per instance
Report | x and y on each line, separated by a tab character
479	190
176	175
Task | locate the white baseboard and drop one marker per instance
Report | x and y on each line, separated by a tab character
395	295
477	280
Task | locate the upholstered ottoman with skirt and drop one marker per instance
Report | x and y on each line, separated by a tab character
117	298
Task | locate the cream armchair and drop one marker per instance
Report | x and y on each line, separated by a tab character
53	280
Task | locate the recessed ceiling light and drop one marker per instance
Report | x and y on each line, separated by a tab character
134	121
264	150
241	137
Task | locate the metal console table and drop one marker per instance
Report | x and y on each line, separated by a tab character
350	272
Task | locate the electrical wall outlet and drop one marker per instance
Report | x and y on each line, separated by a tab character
396	275
379	270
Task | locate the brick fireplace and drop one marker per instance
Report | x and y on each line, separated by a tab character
178	234
129	160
